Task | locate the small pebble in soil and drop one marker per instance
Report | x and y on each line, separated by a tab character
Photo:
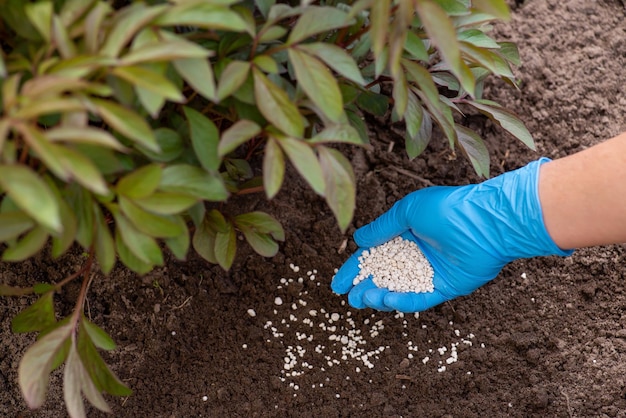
398	265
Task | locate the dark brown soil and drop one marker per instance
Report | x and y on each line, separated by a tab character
545	339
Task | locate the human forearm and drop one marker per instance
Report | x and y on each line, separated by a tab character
583	196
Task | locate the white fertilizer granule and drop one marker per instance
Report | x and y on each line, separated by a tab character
398	265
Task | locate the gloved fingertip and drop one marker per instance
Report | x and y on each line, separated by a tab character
413	302
355	297
343	280
375	299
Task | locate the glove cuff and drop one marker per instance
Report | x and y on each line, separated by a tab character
531	216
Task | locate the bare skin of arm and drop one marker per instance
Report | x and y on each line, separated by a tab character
583	196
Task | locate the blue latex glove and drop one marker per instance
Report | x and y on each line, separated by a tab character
468	233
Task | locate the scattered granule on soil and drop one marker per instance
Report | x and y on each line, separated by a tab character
336	339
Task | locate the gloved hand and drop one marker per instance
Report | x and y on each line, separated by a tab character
468	233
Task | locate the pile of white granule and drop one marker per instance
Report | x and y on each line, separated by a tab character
398	265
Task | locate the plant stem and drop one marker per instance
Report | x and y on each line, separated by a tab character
83	270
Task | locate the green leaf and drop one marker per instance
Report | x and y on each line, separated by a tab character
440	30
203	15
266	63
102	377
157	226
83	170
231	78
36	365
305	161
488	59
239	170
199	74
454	7
170	143
82	204
93	26
343	133
340	185
40	15
379	27
359	6
128	258
72	10
506	119
318	83
271	33
264	6
429	94
166	203
273	168
217	221
62	39
262	244
127	122
509	51
204	138
356	120
276	106
13	224
142	246
179	245
38	316
415	46
40	289
3	68
129	22
336	58
77	380
62	242
400	94
164	50
193	181
398	36
84	135
239	133
316	20
31	194
49	153
151	81
28	246
226	247
104	244
51	85
204	241
260	222
418	126
140	183
496	8
36	109
81	66
474	148
376	104
478	38
97	335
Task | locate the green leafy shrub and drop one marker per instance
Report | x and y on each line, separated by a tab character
126	125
